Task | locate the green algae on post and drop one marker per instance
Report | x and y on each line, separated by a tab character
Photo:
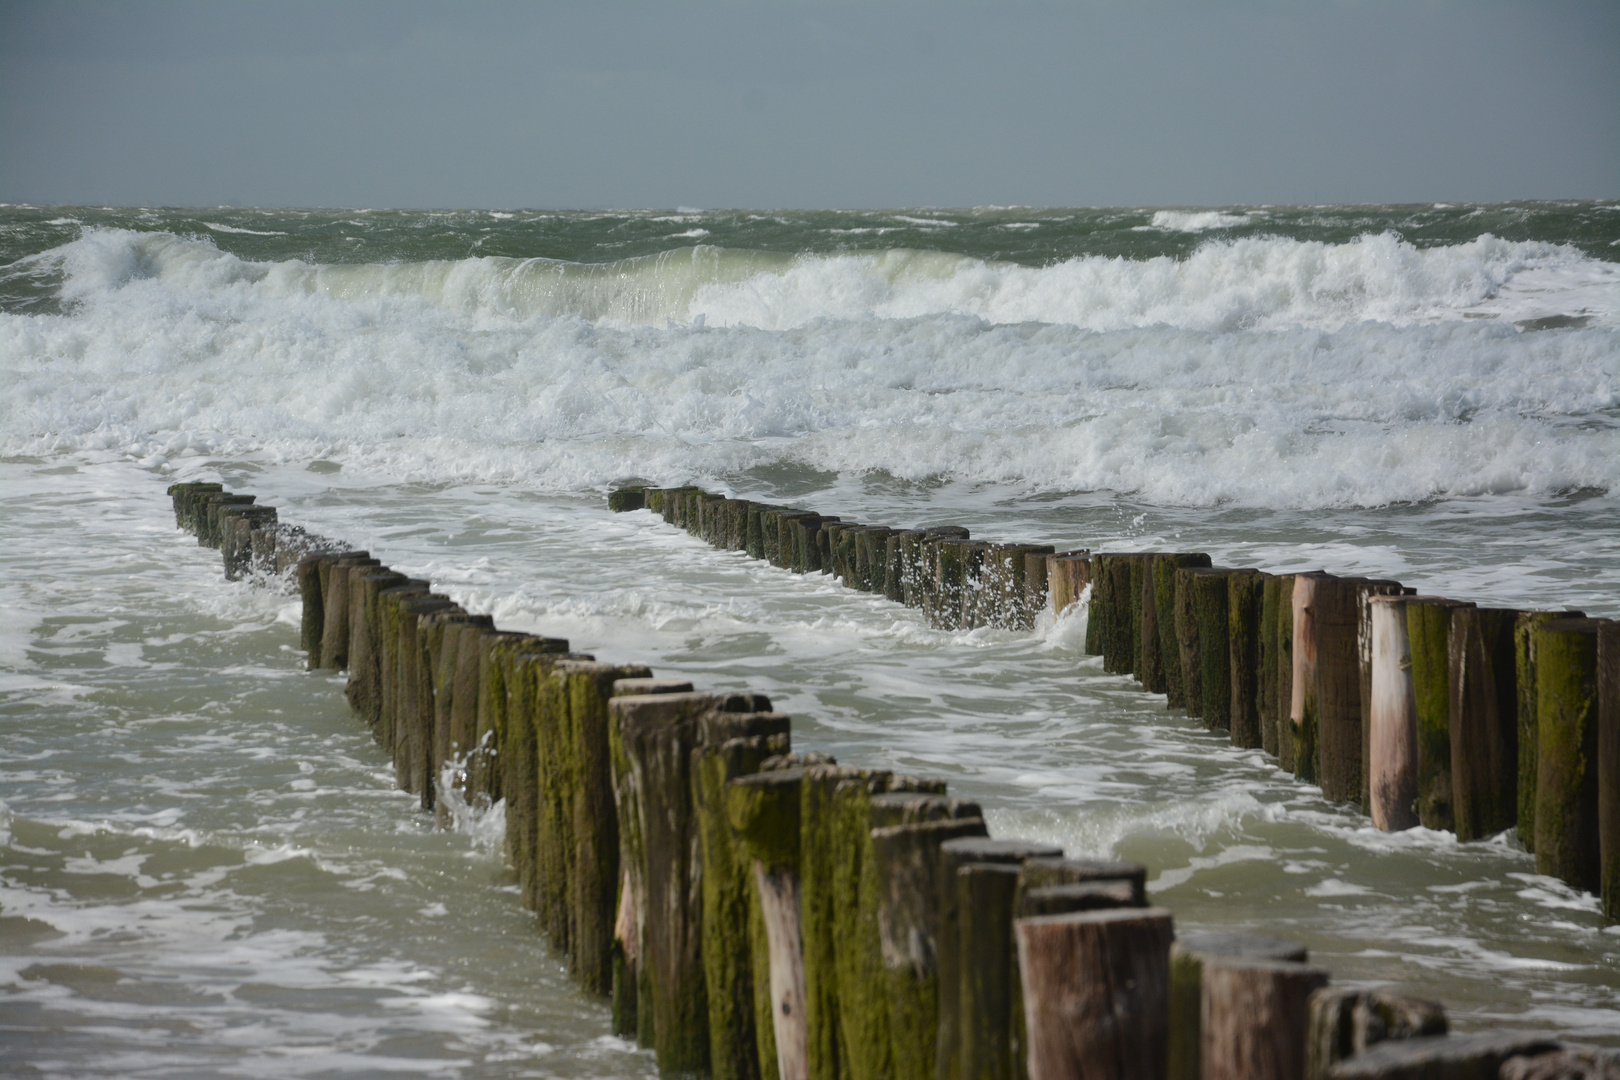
1428	627
1163	568
1567	752
1187	958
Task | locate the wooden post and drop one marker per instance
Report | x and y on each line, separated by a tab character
1165	614
455	729
1344	1023
524	665
1524	646
1285	672
1244	597
1047	872
1609	766
658	734
335	597
764	814
1210	599
1484	699
1188	958
413	733
906	859
314	618
363	688
986	898
1067	577
1567	755
1095	988
1428	626
441	634
627	498
1475	1056
730	745
1336	617
1255	1015
236	536
1187	640
1037	587
1152	664
1303	710
1125	620
1365	591
951	581
953	972
1392	719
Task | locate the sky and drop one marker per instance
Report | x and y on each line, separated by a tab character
780	104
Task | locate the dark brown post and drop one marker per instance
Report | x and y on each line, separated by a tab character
1244	599
1524	651
1475	1056
1609	765
1192	661
1428	627
1095	988
1210	595
1344	1023
1484	722
1337	616
1285	672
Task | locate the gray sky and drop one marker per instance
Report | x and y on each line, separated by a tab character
807	105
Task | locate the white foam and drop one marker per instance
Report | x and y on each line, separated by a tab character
1258	371
1194	220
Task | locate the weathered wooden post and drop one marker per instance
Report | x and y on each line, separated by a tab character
1162	569
1344	1023
1609	765
950	581
627	498
658	734
1067	576
1567	757
764	814
953	973
730	745
1188	958
1428	627
364	686
237	524
1365	591
1187	642
1125	621
441	634
906	860
1392	719
1484	698
1151	664
1095	987
1210	598
1255	1016
455	723
1285	672
1244	599
211	533
1037	587
413	734
1524	651
986	896
1335	620
1303	709
314	610
335	597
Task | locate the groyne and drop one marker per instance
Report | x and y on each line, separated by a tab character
749	910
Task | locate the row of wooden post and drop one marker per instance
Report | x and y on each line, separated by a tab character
755	913
1420	709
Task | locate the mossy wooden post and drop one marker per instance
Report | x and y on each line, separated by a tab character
1095	987
764	814
1343	1023
630	985
388	669
1244	596
211	533
1567	845
1255	1016
818	857
624	499
363	688
1392	719
908	584
525	665
1365	591
237	525
1428	628
1304	708
951	581
1188	957
1285	672
906	859
658	734
985	898
1608	766
730	745
1037	589
1163	567
441	650
185	497
1336	617
1524	646
488	777
413	734
1265	693
1125	621
1152	666
1099	607
1210	600
1484	722
458	719
953	971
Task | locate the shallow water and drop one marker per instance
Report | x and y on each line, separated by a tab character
205	869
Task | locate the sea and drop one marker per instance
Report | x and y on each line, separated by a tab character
205	869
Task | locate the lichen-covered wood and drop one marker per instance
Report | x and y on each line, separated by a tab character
1524	654
1285	672
1210	595
1164	567
1609	766
1484	700
1567	754
1244	596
